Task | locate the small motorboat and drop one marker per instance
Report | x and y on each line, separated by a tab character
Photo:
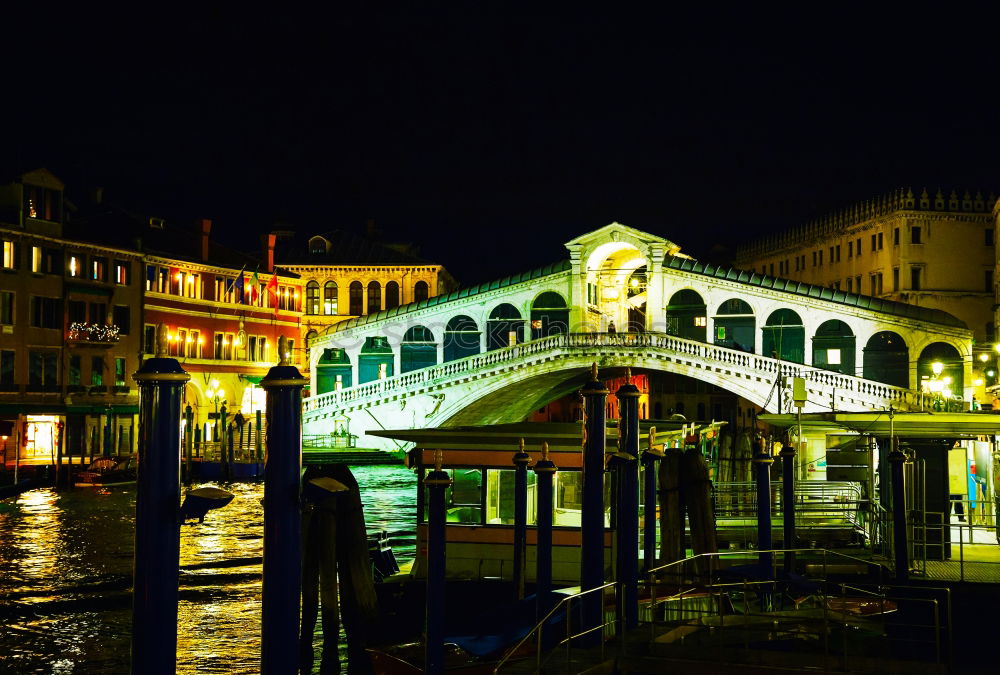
108	471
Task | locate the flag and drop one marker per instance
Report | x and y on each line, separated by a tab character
238	287
254	288
272	288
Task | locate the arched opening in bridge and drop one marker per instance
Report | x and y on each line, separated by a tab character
356	298
833	347
635	298
735	325
461	338
549	315
418	350
504	328
612	296
687	315
333	371
784	337
940	371
887	359
375	360
391	295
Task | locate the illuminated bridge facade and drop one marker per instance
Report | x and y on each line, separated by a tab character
495	352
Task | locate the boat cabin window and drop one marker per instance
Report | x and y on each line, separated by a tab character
463	499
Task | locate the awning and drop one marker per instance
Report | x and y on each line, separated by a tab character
905	424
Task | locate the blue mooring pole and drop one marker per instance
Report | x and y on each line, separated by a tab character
157	513
592	506
521	460
628	500
437	481
650	456
787	455
762	461
282	518
900	545
544	470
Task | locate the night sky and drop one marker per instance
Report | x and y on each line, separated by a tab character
491	133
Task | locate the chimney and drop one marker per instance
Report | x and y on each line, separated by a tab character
206	229
268	240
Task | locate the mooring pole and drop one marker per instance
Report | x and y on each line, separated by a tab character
628	500
544	470
521	461
900	544
649	459
762	461
787	455
221	421
257	439
437	481
157	511
282	518
592	506
188	442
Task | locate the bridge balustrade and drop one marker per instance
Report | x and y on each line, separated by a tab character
707	355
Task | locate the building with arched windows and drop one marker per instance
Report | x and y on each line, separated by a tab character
347	275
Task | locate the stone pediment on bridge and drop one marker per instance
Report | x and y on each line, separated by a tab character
616	232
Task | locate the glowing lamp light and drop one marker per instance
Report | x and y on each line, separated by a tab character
937	367
984	357
179	276
978	382
946	392
997	346
990	373
214	384
633	282
946	380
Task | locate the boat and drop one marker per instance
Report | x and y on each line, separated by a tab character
108	471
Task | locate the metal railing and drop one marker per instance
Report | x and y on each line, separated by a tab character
566	606
965	550
845	389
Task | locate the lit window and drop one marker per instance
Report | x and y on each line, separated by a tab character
833	357
75	266
701	321
123	272
9	255
36	258
98	269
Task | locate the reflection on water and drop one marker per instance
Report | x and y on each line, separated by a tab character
65	568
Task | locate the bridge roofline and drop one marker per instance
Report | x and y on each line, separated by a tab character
537	273
891	307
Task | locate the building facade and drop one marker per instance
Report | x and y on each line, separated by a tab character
69	331
936	251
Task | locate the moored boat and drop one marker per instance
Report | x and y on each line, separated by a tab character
108	471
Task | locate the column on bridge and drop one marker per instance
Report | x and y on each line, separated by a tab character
577	291
655	309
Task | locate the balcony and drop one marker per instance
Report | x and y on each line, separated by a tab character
92	335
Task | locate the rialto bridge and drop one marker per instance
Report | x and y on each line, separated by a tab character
494	352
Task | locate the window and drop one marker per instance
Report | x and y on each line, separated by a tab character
122	317
880	241
915	278
96	371
831	255
988	236
180	344
42	373
420	291
814	258
874	242
7	308
988	281
9	255
192	285
821	258
74	371
149	339
36	259
312	297
74	266
218	346
878	279
915	234
850	285
357	297
123	272
895	279
850	249
838	252
895	236
857	283
391	295
194	345
98	313
99	269
374	297
227	346
771	270
262	354
833	357
857	246
42	203
46	312
330	298
77	311
119	372
7	370
252	348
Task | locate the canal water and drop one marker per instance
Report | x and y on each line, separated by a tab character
66	564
